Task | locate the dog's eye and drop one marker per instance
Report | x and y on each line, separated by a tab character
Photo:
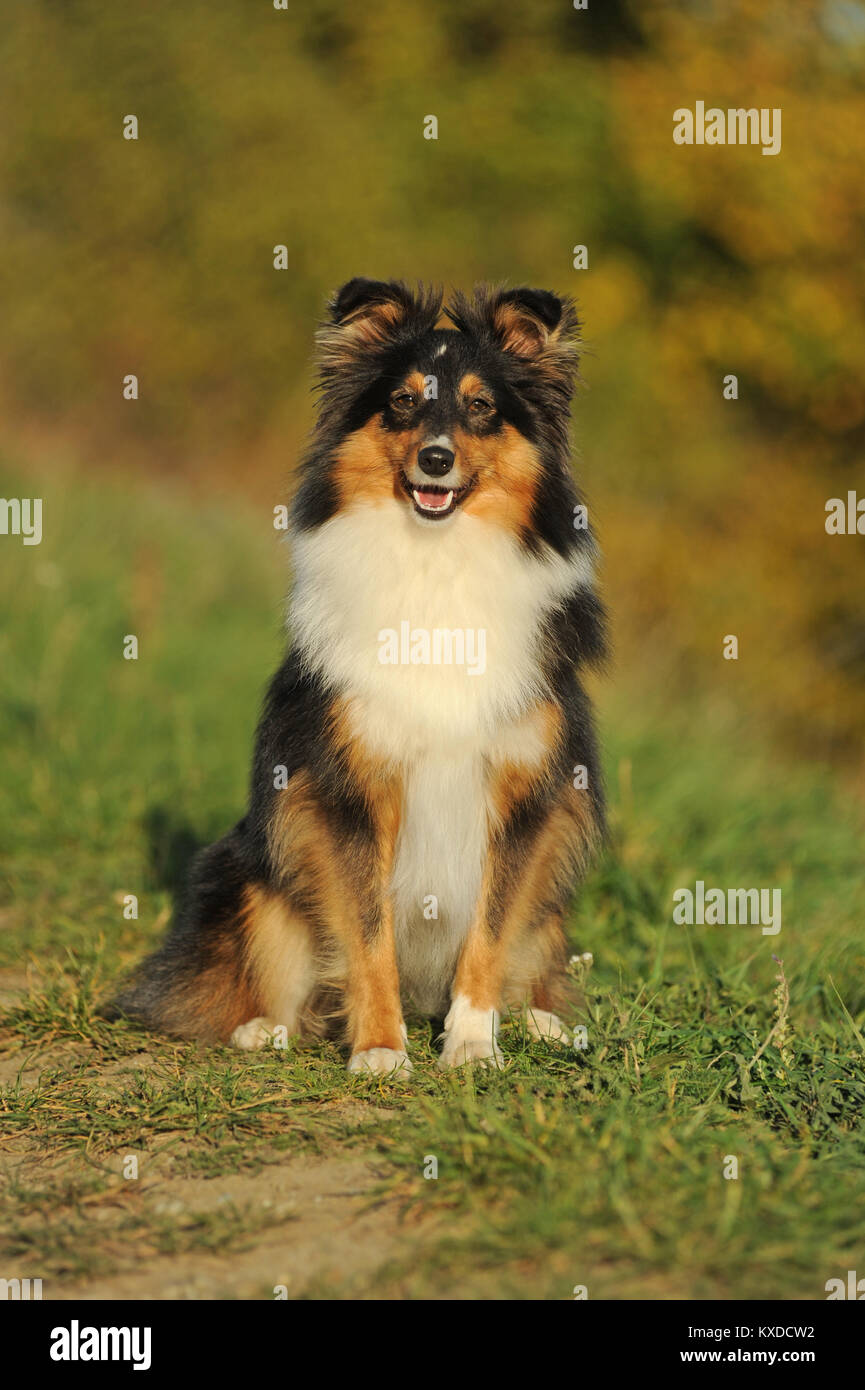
403	400
481	406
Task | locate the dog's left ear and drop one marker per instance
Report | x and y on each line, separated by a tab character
525	321
536	327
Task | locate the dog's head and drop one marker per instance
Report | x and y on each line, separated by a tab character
468	418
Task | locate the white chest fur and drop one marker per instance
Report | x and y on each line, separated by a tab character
371	584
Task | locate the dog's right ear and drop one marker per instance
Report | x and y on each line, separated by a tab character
364	297
366	315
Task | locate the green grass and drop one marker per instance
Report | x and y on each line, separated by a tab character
603	1167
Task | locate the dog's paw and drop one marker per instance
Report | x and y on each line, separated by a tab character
547	1026
483	1051
470	1036
258	1032
380	1061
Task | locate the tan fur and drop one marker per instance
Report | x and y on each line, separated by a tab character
553	352
524	760
504	465
223	995
294	975
481	964
507	468
211	1006
414	382
303	846
471	385
281	956
376	780
523	958
333	875
369	327
368	464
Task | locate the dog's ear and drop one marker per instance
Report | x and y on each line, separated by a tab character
524	321
534	326
371	302
369	314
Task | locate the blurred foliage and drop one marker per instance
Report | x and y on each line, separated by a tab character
305	127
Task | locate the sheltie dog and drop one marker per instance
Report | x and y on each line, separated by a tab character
425	787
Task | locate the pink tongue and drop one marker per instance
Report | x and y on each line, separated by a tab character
432	499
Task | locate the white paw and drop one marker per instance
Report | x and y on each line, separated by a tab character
547	1026
380	1061
470	1035
457	1051
258	1032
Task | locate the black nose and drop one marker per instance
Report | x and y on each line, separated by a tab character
434	460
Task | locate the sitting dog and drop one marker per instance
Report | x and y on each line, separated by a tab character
425	787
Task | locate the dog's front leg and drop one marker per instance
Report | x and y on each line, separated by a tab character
338	862
375	1024
376	1030
515	943
472	1023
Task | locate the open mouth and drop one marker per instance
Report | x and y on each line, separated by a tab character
435	503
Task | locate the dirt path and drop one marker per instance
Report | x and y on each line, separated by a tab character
323	1231
296	1222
